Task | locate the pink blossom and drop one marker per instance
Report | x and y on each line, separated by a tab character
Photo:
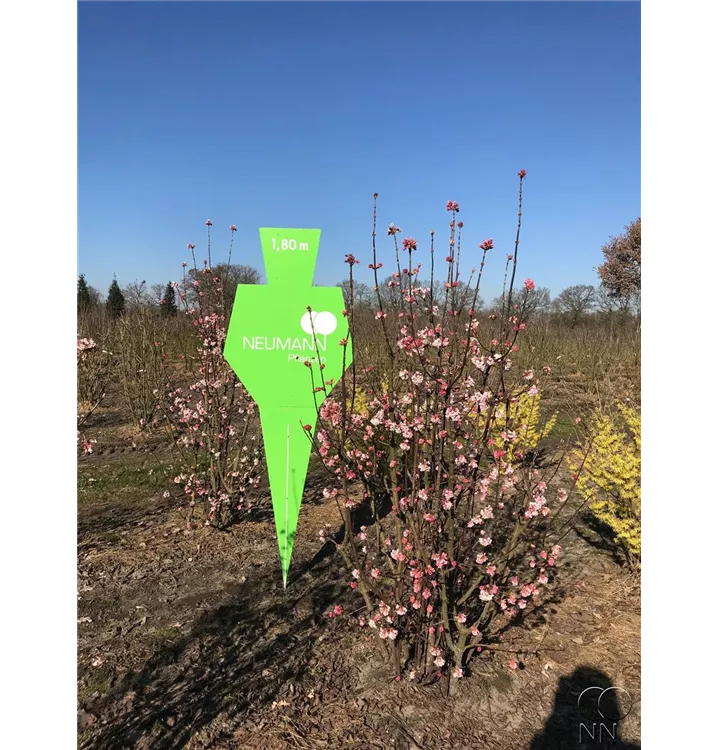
485	594
409	243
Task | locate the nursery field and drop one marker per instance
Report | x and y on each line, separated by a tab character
188	639
358	395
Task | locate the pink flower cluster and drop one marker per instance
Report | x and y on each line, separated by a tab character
84	346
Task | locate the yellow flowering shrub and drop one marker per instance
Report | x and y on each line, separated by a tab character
362	399
610	479
524	427
361	402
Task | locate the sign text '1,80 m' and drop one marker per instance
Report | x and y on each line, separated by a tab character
289	244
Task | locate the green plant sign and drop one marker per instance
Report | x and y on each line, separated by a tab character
274	332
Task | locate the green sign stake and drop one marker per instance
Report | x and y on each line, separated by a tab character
272	335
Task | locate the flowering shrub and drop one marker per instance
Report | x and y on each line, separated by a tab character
452	539
94	368
611	477
140	364
213	421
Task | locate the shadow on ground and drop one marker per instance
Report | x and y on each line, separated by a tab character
93	527
600	536
234	660
587	713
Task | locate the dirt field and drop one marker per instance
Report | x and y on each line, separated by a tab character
187	639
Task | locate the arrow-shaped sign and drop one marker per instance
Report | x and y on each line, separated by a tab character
274	331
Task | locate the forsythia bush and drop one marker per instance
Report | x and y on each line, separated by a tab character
611	477
525	417
361	398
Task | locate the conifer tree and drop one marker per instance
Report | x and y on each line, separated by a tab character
115	300
169	305
84	298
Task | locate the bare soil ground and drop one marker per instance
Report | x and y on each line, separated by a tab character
187	639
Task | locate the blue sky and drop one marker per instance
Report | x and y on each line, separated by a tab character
294	114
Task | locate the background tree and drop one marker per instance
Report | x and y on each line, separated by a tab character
621	272
363	294
391	289
230	276
459	297
575	301
115	300
136	295
607	303
84	298
168	305
157	294
537	303
96	295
